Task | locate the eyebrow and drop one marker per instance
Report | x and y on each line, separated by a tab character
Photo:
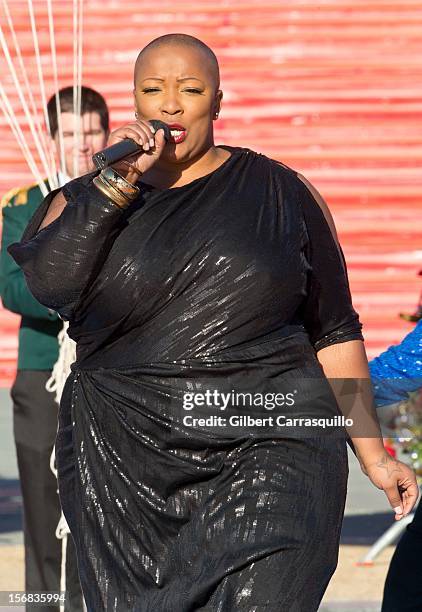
182	79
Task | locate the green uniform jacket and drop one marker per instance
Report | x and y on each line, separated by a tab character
38	345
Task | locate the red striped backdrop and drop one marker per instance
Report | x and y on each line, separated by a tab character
329	87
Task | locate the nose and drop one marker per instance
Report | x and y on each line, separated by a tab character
83	143
171	104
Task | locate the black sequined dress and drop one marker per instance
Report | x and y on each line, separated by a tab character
231	280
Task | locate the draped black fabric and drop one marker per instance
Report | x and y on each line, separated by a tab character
233	281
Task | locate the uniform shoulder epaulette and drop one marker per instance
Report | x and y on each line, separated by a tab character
19	195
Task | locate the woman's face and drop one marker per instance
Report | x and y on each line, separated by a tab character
176	84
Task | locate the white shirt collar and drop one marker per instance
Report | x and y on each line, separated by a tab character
63	178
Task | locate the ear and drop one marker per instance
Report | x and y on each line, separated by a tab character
217	101
135	105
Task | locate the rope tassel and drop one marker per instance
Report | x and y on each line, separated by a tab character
61	369
55	384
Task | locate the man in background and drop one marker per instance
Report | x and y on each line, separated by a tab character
34	408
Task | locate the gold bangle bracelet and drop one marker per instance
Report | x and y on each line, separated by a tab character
113	188
118	182
114	194
111	193
119	195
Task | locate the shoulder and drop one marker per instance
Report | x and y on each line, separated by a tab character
322	204
305	190
283	171
276	167
302	185
27	196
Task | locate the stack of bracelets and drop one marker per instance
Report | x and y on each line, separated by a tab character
116	188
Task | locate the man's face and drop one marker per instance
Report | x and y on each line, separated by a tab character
92	138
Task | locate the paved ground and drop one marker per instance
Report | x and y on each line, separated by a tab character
352	589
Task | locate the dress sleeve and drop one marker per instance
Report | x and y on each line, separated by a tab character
60	260
327	311
398	371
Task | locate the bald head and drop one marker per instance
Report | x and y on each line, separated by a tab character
181	40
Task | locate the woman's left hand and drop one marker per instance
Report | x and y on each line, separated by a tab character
397	480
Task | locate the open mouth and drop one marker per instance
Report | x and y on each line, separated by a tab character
178	133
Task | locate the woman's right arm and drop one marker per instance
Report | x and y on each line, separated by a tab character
66	243
71	233
55	209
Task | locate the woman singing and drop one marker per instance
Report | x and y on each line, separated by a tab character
190	268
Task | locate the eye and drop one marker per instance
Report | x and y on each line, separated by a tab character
190	89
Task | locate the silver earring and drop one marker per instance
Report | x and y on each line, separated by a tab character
215	115
136	116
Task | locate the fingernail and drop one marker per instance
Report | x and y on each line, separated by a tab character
398	510
152	142
146	146
152	129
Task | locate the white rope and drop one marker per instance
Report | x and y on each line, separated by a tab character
23	102
55	384
29	94
10	116
63	563
77	80
16	129
41	134
77	122
62	529
55	182
61	369
62	533
14	126
78	83
56	84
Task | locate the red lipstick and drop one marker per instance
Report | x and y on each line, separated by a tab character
178	133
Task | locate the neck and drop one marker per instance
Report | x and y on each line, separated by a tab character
165	173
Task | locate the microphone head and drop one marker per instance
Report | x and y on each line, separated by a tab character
158	125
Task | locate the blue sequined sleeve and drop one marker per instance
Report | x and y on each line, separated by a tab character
398	370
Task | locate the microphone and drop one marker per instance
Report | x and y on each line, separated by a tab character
125	148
